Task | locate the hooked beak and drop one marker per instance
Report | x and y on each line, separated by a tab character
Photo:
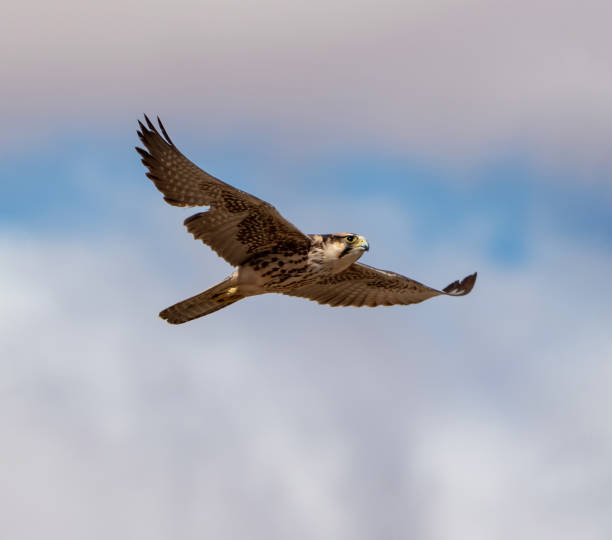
364	245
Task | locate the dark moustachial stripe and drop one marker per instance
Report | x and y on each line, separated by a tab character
345	251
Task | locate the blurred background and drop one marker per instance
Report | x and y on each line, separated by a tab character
456	136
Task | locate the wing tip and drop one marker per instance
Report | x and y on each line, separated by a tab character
149	130
461	288
164	132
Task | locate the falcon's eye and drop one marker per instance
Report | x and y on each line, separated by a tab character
350	239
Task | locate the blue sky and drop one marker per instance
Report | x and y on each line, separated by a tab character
452	140
63	187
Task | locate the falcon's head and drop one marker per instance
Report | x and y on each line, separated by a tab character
343	249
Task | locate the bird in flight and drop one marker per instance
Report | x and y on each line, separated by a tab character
270	253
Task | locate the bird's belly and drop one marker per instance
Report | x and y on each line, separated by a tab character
275	274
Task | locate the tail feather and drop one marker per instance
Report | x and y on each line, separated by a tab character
221	295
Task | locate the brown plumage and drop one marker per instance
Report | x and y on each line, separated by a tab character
271	254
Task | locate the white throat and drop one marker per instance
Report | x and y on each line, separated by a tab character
336	263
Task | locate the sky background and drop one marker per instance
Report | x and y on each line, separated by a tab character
455	136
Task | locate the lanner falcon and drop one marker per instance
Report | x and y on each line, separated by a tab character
271	254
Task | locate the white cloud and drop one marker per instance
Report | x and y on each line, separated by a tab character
456	81
477	417
476	464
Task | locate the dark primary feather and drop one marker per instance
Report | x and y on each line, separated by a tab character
461	288
237	225
181	181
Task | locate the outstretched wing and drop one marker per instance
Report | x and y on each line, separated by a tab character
237	224
362	285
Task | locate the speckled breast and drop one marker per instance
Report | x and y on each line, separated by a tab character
282	271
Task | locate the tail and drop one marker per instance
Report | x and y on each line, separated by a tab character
221	295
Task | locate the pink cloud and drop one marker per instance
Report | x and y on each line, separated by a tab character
450	81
